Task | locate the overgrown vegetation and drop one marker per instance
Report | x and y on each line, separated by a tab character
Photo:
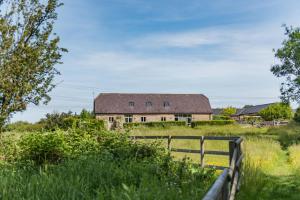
84	162
277	111
297	115
212	122
270	171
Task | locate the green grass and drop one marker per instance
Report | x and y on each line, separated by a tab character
271	169
271	166
99	177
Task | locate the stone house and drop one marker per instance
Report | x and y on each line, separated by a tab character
151	107
251	111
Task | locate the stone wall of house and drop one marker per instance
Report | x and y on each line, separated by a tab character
149	117
201	117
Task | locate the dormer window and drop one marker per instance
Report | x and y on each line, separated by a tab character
148	104
131	104
166	104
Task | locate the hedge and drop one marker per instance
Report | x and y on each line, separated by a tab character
155	124
221	117
212	122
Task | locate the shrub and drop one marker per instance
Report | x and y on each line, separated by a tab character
221	117
155	124
252	120
53	147
212	122
228	111
276	111
23	126
297	115
43	147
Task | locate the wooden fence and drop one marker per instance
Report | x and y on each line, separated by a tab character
228	183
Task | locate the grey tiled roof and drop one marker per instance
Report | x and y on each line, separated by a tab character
253	109
118	103
217	111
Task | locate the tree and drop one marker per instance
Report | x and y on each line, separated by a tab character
228	111
277	111
28	53
289	67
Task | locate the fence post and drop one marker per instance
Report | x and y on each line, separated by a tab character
169	143
202	151
232	146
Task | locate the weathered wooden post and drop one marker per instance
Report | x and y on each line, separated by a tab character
232	146
202	151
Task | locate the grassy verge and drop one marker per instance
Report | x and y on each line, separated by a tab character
271	166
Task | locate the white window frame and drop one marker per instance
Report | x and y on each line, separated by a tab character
128	118
163	119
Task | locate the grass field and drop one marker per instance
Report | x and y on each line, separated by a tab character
271	169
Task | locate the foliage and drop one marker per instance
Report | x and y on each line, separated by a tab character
23	126
288	135
277	111
102	177
221	117
228	111
56	120
155	124
85	114
85	120
29	52
43	147
212	122
289	56
53	147
297	115
253	120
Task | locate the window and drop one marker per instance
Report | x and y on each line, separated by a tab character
148	104
163	119
131	104
128	118
111	119
183	117
166	104
143	119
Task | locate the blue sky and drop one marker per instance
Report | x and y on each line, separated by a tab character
222	49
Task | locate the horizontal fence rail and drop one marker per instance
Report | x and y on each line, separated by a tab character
228	183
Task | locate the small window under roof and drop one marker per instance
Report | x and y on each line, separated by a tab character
148	104
131	104
166	104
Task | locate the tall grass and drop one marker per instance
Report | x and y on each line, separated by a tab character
103	177
294	156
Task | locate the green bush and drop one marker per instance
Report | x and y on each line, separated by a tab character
43	147
297	115
53	147
155	124
23	126
221	117
277	111
212	122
